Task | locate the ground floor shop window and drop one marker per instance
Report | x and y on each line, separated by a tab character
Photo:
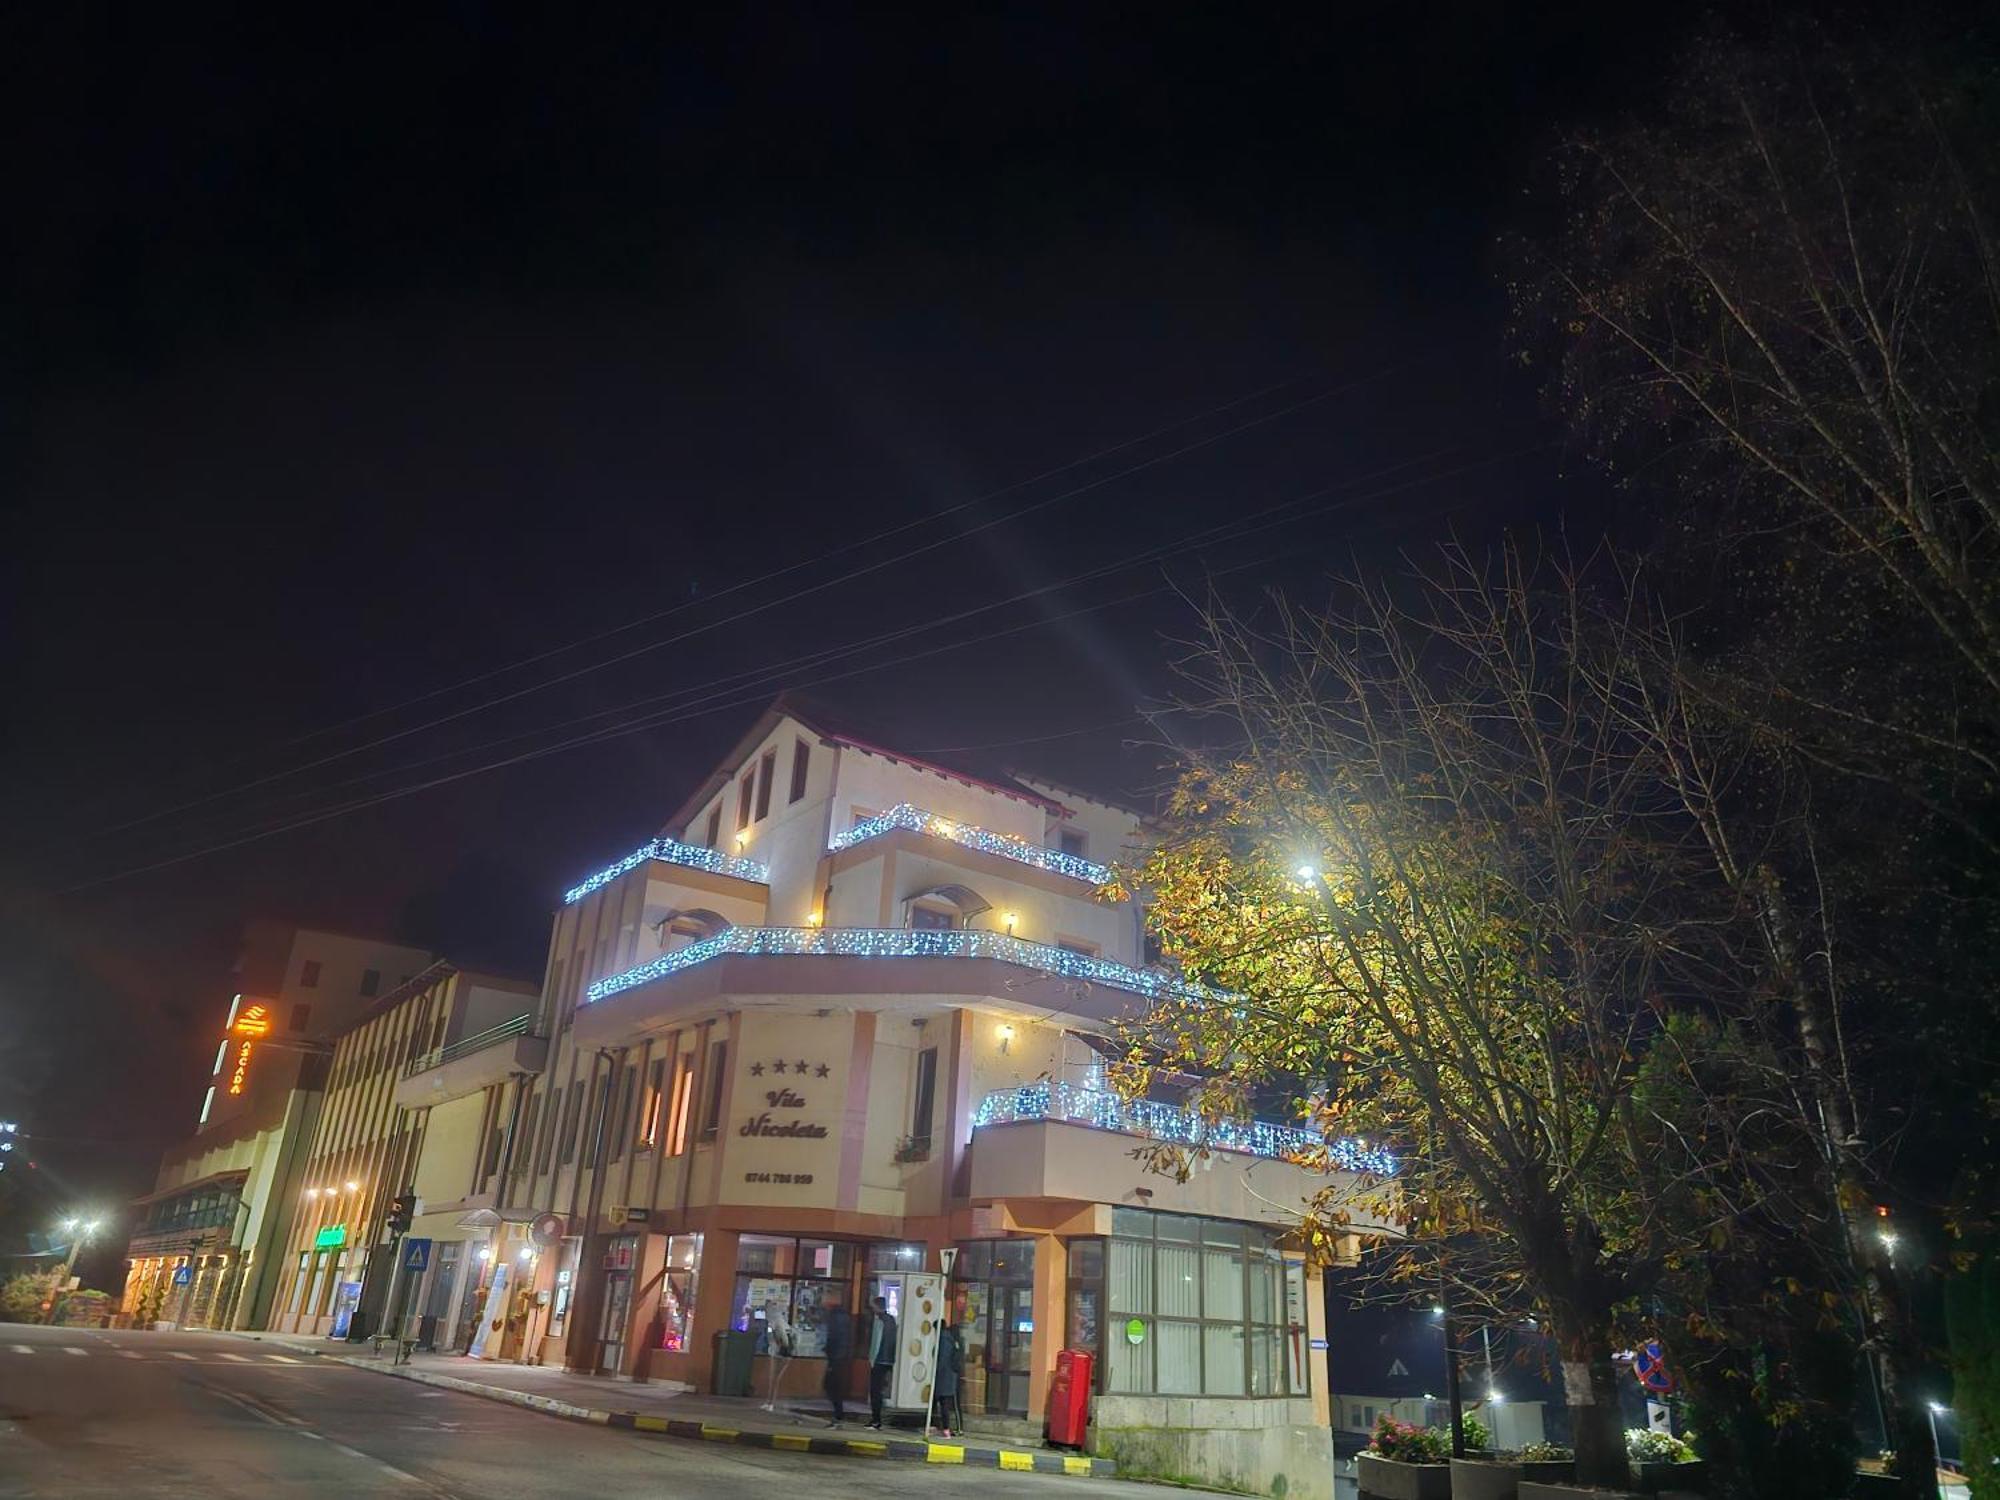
1199	1307
993	1308
677	1290
793	1281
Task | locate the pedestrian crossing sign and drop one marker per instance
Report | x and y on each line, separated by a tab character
416	1255
183	1275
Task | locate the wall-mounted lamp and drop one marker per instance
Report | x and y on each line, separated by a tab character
1009	919
312	1192
354	1187
527	1252
742	837
1006	1035
486	1252
815	919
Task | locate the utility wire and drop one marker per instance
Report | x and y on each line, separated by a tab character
645	723
733	683
801	593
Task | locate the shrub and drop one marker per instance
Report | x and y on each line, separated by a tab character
1407	1443
21	1297
1642	1446
1478	1438
1545	1453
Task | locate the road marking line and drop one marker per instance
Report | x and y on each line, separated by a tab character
72	1349
131	1354
241	1359
22	1348
284	1359
178	1355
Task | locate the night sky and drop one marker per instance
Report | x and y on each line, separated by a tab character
346	361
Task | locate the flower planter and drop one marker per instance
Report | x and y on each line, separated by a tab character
1876	1487
1500	1478
1536	1489
1386	1479
1650	1477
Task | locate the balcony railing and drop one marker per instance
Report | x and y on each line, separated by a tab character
466	1046
901	942
1101	1109
673	852
1005	845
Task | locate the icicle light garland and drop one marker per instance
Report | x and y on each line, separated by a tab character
1005	845
1102	1110
674	852
901	942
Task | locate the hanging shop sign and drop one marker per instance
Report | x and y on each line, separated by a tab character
1135	1331
333	1237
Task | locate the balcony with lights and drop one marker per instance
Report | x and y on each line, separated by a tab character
472	1063
1064	1142
673	853
957	963
938	831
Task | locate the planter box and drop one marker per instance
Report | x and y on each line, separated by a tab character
1651	1478
1535	1489
1386	1479
1500	1479
1876	1487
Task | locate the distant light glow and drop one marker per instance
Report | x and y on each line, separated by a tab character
902	942
1103	1110
673	852
1005	845
1308	873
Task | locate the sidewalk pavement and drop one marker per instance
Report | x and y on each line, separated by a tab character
668	1409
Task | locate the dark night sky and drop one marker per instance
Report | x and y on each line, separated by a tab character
344	364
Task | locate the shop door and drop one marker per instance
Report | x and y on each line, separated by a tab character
617	1313
1010	1350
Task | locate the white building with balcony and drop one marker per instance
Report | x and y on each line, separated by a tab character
847	1010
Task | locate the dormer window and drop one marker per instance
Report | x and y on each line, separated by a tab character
926	917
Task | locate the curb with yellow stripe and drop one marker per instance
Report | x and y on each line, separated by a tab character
915	1450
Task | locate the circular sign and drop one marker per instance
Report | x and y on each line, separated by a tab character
546	1230
1135	1331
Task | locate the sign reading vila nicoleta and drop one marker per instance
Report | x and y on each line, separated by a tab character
788	1101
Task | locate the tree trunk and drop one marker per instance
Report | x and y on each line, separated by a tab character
1888	1339
1590	1382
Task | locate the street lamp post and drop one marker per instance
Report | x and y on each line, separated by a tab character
1932	1409
78	1230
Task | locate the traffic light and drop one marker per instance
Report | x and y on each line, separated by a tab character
402	1209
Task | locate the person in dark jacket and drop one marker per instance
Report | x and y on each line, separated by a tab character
881	1361
944	1389
839	1359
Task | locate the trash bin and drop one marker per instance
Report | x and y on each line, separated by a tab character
729	1372
427	1333
357	1328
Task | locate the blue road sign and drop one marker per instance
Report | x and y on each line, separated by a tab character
183	1275
416	1255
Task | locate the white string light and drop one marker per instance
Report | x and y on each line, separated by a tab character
1005	845
673	852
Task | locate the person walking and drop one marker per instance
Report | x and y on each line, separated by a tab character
881	1361
839	1360
944	1389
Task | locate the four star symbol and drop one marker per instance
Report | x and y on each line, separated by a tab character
799	1067
821	1070
756	1070
778	1066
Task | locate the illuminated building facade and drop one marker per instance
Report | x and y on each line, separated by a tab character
334	1270
222	1198
846	1011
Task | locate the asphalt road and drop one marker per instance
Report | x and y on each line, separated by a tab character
85	1414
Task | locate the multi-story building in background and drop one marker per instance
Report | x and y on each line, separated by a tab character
846	1012
222	1197
334	1271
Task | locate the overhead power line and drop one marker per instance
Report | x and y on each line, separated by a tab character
663	718
797	594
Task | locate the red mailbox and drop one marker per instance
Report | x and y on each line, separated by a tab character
1069	1398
